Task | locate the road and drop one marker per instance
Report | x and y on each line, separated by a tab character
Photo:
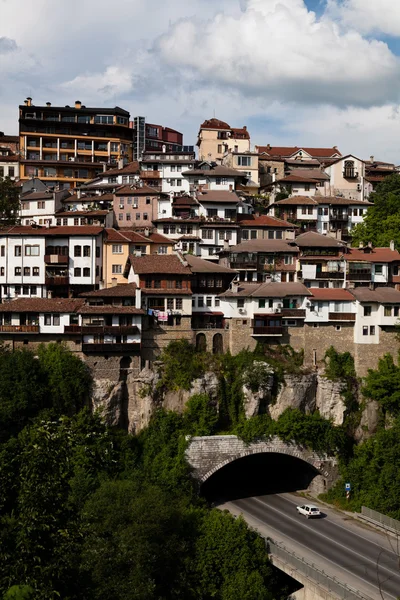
354	553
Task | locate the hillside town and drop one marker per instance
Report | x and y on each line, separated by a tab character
126	239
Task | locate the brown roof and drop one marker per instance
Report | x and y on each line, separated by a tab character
380	294
168	264
218	171
376	255
216	196
269	290
108	309
290	150
13	139
240	133
43	195
296	200
132	168
165	292
309	173
192	238
293	178
262	221
214	124
317	200
9	158
183	201
132	190
199	265
123	237
42	305
62	231
264	246
331	294
158	238
317	240
82	213
178	220
124	290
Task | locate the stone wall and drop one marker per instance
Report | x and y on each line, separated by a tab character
156	337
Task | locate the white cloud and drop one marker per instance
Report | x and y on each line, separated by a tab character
367	16
279	49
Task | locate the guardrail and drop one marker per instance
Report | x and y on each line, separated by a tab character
378	518
311	571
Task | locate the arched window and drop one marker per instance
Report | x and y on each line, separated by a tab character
201	342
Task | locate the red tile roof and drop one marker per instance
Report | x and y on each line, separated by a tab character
262	221
43	195
216	196
240	133
82	213
158	238
125	237
132	168
61	231
108	309
214	124
42	305
290	150
378	255
124	290
331	294
132	190
161	264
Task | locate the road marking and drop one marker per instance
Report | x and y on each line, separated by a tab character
304	546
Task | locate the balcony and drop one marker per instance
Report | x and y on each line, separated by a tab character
107	348
342	316
245	265
329	275
273	331
350	174
299	313
339	217
150	174
19	328
56	281
101	329
56	259
365	276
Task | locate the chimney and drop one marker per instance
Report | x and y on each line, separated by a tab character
114	282
78	104
120	163
371	158
138	298
392	245
28	101
268	147
244	128
369	244
226	245
235	287
48	104
147	232
361	245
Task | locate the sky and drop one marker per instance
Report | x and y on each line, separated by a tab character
295	72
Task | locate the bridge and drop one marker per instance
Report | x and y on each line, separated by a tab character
207	455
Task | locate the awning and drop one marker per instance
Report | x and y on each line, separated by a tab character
208	314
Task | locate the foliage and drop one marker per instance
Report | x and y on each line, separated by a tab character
383	385
382	222
19	592
200	416
338	365
9	202
285	192
181	365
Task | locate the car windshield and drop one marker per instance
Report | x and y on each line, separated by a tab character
314	509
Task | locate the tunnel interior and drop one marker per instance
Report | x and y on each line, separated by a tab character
258	475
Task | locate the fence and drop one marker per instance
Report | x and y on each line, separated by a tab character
380	519
312	572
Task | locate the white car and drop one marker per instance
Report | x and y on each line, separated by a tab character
308	510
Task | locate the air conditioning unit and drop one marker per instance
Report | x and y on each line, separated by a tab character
121	206
242	311
277	310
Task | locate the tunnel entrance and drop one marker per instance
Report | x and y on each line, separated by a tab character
258	475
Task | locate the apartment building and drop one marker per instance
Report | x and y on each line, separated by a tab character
9	156
209	176
246	162
148	137
40	207
216	137
165	170
346	177
264	227
136	206
66	146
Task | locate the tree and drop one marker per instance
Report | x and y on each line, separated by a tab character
200	416
9	202
382	222
383	385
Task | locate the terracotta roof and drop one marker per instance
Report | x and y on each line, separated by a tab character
124	290
214	124
10	139
317	240
165	292
183	201
331	294
264	246
132	190
199	265
216	196
268	290
158	238
161	263
376	178
125	237
37	196
62	231
378	255
131	168
240	133
108	309
218	171
179	220
262	221
293	178
290	150
296	200
309	173
42	305
82	213
317	200
383	295
192	238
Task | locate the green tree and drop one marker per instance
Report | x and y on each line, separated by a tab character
19	592
200	416
383	385
9	202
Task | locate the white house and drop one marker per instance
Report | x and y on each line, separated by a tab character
377	310
169	168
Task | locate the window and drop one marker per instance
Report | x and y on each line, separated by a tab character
2	271
17	271
117	248
261	304
253	234
240	302
137	216
325	226
372	330
86	272
148	200
33	290
245	234
25	291
278	235
145	216
86	250
47	319
178	182
209	301
170	303
320	212
207	234
310	210
27	271
3	250
200	302
219	148
17	251
162	249
56	320
217	302
378	269
288	259
65	221
77	271
365	330
306	187
271	234
78	252
212	212
103	119
367	311
31	250
387	311
244	161
116	269
303	210
120	216
396	311
41	204
178	304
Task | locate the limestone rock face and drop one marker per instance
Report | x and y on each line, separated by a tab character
257	402
108	397
330	400
298	391
369	421
142	398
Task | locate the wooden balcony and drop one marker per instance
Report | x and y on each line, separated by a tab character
324	275
273	331
101	329
365	276
350	174
150	175
299	313
131	348
19	328
56	259
58	281
245	265
336	316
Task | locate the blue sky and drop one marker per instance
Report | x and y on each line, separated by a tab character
268	64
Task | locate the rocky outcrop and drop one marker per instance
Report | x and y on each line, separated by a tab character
298	391
369	421
257	402
329	399
108	398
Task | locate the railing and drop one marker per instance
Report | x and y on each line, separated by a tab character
113	329
339	217
56	280
312	572
268	330
350	174
150	174
107	348
56	259
19	328
245	265
359	276
380	519
329	275
293	312
338	316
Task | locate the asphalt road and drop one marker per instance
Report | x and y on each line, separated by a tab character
357	555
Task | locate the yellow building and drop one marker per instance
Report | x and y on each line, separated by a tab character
66	146
217	137
118	245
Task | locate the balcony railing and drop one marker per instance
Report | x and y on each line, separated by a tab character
350	174
100	329
329	275
359	276
293	312
107	348
56	281
245	265
339	217
19	328
268	330
150	174
342	316
56	259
